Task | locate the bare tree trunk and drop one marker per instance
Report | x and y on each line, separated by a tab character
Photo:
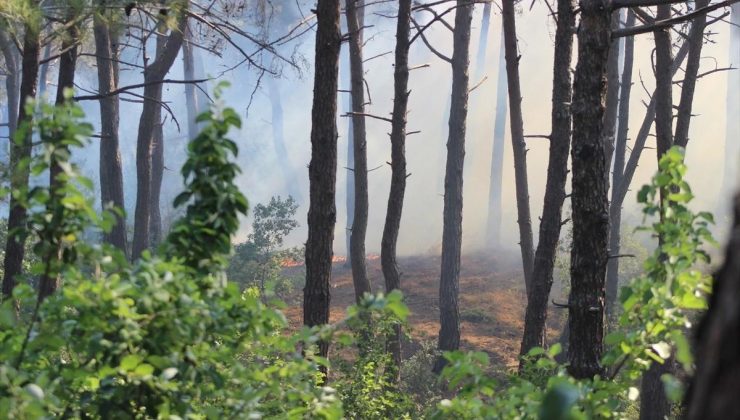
732	126
111	168
19	161
44	69
51	280
712	394
359	221
389	241
322	170
483	41
654	403
153	76
449	313
349	175
693	62
589	194
157	176
615	209
557	173
493	225
526	243
612	94
12	85
188	70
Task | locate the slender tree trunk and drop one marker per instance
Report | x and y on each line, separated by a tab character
526	243
350	177
12	88
483	41
712	394
557	173
111	168
51	280
153	76
44	69
359	221
493	225
589	197
615	209
278	140
19	162
693	62
389	241
322	170
654	403
188	70
449	313
612	94
158	146
732	125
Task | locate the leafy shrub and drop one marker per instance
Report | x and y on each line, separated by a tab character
658	306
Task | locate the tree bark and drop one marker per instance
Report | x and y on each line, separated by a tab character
153	76
322	170
359	171
612	94
712	394
389	241
654	403
526	243
732	126
188	71
51	280
12	86
449	313
19	164
111	168
615	207
350	177
557	173
693	62
155	219
493	225
589	194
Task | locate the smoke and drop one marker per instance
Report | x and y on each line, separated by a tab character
264	170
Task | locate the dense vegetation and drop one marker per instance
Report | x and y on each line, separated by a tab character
169	336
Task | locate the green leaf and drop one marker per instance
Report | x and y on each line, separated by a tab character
129	362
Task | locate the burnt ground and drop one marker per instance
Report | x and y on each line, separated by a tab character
492	302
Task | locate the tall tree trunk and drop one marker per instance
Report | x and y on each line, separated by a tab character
526	243
12	81
483	41
19	161
51	280
615	207
155	219
322	170
612	94
12	88
589	197
654	403
188	71
449	313
693	62
493	223
712	394
44	69
557	173
278	140
349	175
732	126
153	76
389	241
359	221
111	168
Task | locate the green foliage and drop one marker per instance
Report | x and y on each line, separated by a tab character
658	306
161	338
366	381
259	261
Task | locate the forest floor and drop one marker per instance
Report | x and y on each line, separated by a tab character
492	302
